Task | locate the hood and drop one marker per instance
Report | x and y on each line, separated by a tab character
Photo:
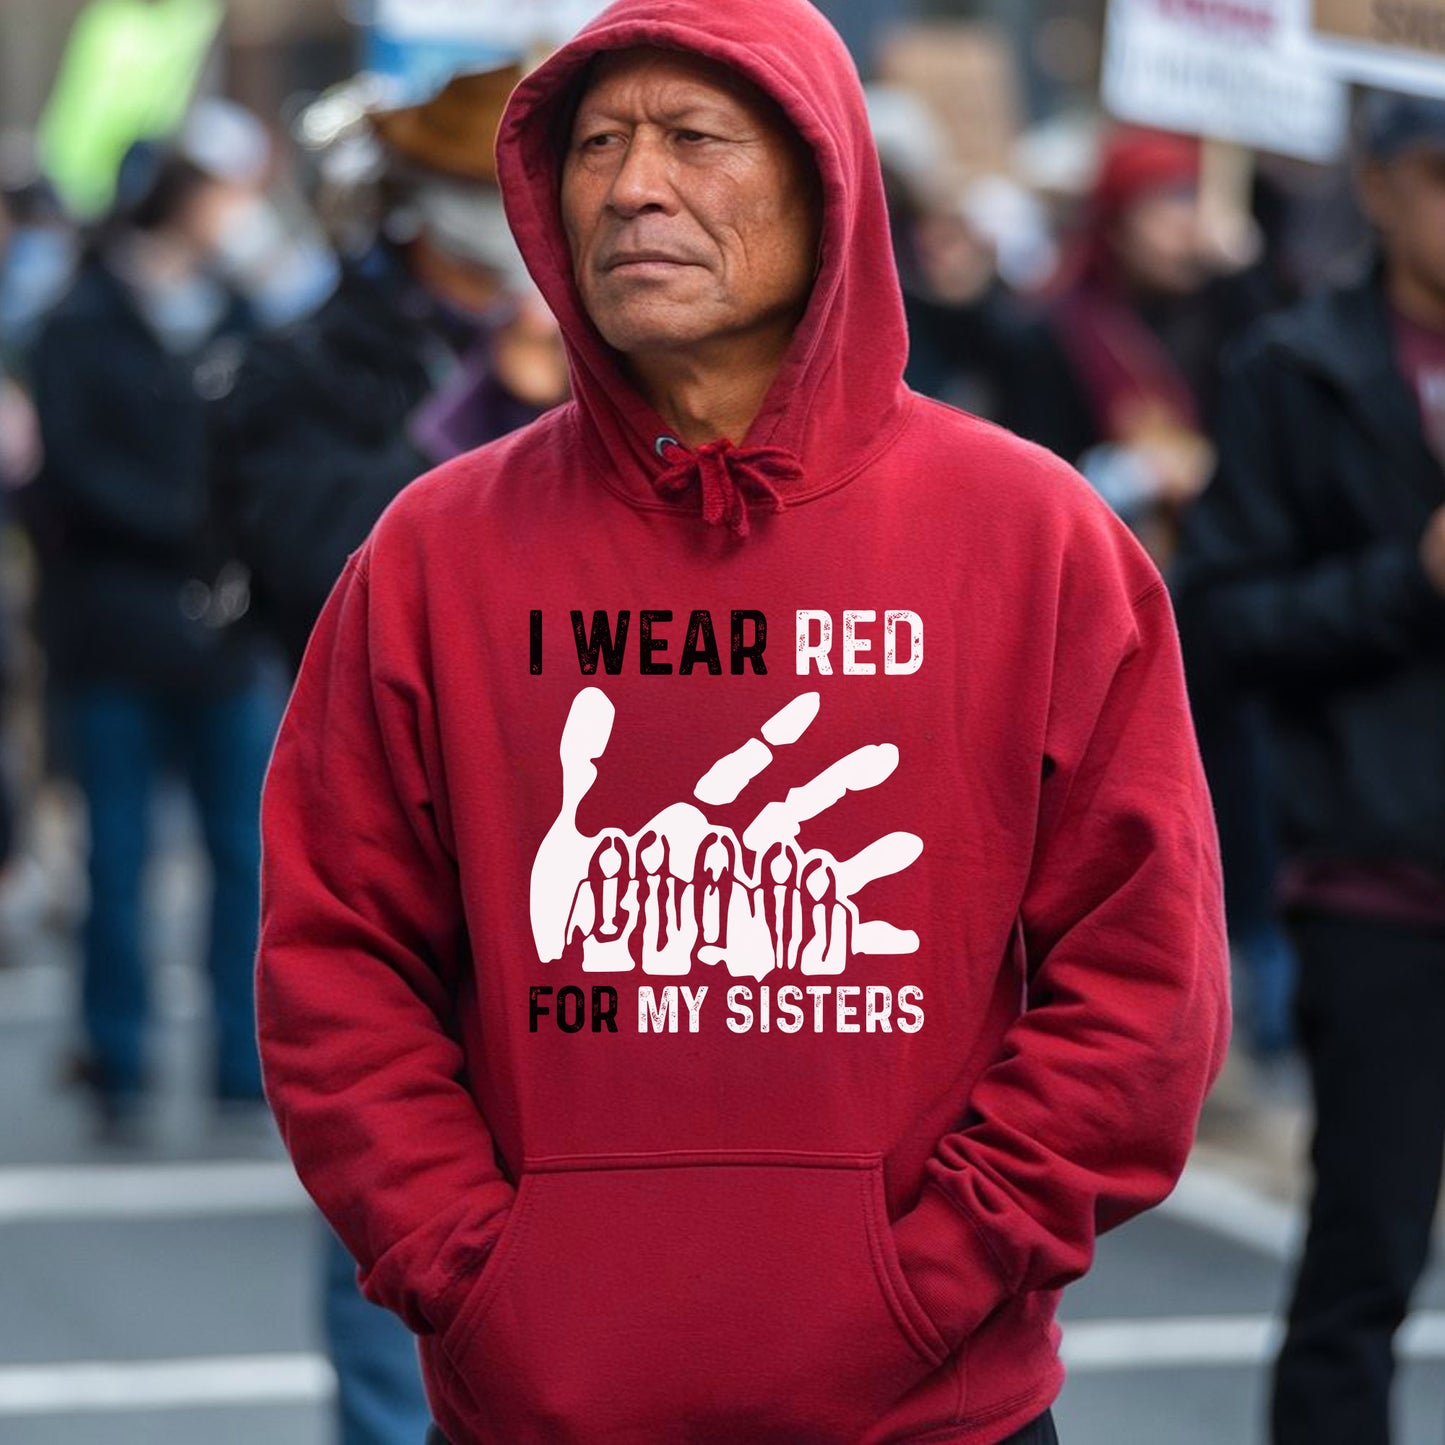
838	398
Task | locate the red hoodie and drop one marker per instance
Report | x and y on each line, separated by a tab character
719	986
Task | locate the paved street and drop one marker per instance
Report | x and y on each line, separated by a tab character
174	1297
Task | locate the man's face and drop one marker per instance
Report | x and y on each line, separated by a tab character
1405	198
690	207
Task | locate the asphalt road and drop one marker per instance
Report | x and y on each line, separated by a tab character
172	1295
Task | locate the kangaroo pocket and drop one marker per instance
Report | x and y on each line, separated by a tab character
692	1297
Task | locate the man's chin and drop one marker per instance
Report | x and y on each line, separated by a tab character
656	330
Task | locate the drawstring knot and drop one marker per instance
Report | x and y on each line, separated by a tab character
726	475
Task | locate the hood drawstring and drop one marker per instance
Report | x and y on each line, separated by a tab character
726	474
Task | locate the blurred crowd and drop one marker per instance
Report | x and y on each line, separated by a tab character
218	370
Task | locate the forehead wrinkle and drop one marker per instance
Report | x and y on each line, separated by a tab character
668	110
702	81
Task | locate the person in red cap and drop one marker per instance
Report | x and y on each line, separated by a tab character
1118	365
1122	375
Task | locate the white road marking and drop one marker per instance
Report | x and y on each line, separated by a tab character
1204	1197
1095	1346
104	1386
1098	1346
45	993
1215	1201
1090	1347
72	1193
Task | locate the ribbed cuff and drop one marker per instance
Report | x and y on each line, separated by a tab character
428	1298
950	1269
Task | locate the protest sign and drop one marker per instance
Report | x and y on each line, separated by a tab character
1396	44
1230	70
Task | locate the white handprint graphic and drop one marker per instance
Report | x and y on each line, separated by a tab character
681	891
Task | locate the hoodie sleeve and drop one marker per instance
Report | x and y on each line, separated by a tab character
1087	1114
363	940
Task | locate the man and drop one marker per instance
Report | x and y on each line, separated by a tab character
681	800
1316	565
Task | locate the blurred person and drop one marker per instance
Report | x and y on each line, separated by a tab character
19	454
431	345
269	250
486	795
32	278
39	252
1118	373
1120	377
141	612
964	331
1316	561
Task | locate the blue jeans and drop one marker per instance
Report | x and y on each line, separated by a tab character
380	1399
120	737
1269	966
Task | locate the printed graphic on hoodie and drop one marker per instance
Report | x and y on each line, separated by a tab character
682	892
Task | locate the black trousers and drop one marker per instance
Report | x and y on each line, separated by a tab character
1036	1432
1370	1010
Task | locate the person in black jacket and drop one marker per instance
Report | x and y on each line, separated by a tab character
326	421
150	656
1315	565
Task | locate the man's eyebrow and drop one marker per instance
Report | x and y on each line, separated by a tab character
697	111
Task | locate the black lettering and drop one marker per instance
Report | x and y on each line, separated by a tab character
601	640
648	645
536	644
603	993
705	651
571	994
537	1006
749	651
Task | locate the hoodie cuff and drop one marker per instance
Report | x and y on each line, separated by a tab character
428	1296
953	1273
445	1303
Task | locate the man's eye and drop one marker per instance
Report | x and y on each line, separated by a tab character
691	137
596	142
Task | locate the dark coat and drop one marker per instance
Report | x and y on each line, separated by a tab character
1300	566
120	512
310	440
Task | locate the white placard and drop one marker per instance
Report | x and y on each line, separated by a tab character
505	24
1233	70
1395	44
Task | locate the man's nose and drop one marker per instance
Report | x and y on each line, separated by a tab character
643	180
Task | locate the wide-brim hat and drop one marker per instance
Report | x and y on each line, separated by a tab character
455	132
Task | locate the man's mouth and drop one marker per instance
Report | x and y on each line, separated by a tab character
626	259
